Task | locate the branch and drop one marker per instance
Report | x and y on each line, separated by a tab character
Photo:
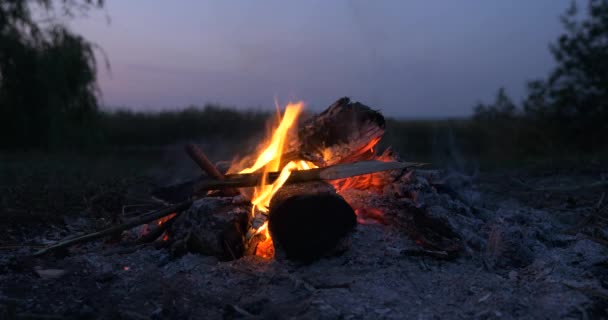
112	230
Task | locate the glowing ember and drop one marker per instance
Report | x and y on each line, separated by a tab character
369	215
146	228
372	181
265	248
165	219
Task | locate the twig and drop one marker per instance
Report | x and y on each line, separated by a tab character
198	156
124	213
203	162
596	184
156	232
598	205
240	311
125	226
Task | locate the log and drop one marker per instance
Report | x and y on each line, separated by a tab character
214	226
343	133
308	220
334	172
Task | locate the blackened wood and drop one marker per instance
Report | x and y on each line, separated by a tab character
113	230
203	184
345	132
199	157
334	172
342	133
434	234
307	221
212	226
155	231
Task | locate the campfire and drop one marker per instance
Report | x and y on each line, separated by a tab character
298	196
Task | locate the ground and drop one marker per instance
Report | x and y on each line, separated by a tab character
537	244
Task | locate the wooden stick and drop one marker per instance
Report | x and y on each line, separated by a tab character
203	162
335	172
156	231
198	156
178	208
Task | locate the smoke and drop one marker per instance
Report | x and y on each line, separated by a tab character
461	173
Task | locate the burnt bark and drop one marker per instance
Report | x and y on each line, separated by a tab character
307	221
344	132
212	226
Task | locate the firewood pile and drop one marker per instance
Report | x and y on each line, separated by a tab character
311	211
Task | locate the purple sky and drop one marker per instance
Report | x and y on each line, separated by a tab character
407	58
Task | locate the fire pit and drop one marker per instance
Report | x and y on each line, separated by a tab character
299	195
324	225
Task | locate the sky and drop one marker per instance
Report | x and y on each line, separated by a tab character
410	59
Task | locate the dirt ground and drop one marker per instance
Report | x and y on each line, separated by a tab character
536	248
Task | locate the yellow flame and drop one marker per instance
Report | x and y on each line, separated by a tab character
270	161
271	156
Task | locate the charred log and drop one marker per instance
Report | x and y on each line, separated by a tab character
308	220
433	234
199	187
342	133
212	226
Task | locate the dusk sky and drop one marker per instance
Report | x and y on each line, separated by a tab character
407	58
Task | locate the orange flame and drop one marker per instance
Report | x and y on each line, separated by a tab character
270	160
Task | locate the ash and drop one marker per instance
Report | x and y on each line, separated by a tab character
525	254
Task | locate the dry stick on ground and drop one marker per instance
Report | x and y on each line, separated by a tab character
198	156
128	225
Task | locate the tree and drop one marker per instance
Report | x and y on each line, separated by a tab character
48	92
502	108
576	91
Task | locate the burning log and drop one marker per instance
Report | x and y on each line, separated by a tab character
299	176
307	220
343	133
199	187
212	226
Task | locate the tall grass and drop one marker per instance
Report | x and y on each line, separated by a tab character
128	128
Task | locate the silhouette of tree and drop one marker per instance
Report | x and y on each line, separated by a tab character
48	90
502	108
575	94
